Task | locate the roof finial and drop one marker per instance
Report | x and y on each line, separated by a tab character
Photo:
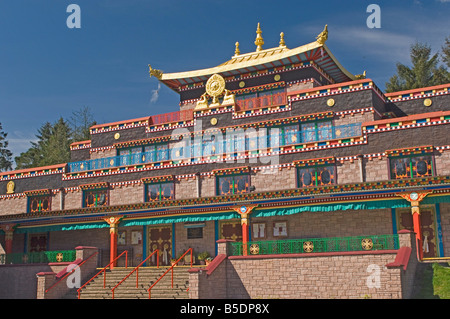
236	51
323	36
282	43
259	41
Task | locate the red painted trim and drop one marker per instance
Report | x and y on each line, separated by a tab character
306	255
147	118
436	87
402	258
25	170
215	263
80	142
330	86
408	118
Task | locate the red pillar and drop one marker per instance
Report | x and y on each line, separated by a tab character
113	225
244	211
9	230
415	198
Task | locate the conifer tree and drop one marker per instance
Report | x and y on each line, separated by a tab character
5	153
424	72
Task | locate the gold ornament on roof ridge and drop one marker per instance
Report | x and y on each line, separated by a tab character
282	43
154	72
323	36
236	50
259	41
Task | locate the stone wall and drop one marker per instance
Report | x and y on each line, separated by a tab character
345	275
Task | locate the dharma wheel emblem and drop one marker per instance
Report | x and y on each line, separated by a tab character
59	257
254	249
367	243
215	85
308	246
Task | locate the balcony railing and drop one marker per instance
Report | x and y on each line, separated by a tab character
38	257
329	133
178	116
276	99
317	245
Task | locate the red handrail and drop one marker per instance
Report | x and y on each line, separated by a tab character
137	270
171	268
104	270
66	275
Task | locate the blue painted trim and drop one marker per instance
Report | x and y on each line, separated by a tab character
144	242
216	236
439	231
394	225
173	240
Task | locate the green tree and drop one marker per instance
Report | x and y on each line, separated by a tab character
5	153
52	147
446	52
424	72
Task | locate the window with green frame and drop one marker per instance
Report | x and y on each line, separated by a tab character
155	192
316	176
95	198
39	204
233	184
411	166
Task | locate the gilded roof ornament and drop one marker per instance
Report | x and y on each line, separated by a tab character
154	72
259	41
323	36
282	43
236	51
361	76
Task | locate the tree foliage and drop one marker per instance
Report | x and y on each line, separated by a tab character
53	140
425	70
5	153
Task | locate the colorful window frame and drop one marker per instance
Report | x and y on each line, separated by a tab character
95	198
155	192
233	184
413	166
313	176
39	203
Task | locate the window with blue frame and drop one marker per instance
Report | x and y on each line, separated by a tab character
159	191
39	203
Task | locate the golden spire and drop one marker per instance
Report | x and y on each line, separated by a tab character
236	51
282	43
259	41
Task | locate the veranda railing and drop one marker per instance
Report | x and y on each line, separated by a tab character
38	257
317	245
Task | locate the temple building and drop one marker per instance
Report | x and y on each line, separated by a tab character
279	155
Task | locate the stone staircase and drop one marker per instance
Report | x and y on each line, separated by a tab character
147	276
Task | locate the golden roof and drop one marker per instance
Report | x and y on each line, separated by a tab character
316	51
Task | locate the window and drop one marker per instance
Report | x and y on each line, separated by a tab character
39	204
233	184
411	166
159	192
316	176
95	198
195	233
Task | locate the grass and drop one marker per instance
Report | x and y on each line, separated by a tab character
441	281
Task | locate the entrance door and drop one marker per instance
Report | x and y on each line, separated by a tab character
428	227
38	242
231	229
160	237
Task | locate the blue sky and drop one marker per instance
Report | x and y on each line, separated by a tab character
48	70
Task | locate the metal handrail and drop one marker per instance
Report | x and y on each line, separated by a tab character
171	268
69	273
137	271
104	270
